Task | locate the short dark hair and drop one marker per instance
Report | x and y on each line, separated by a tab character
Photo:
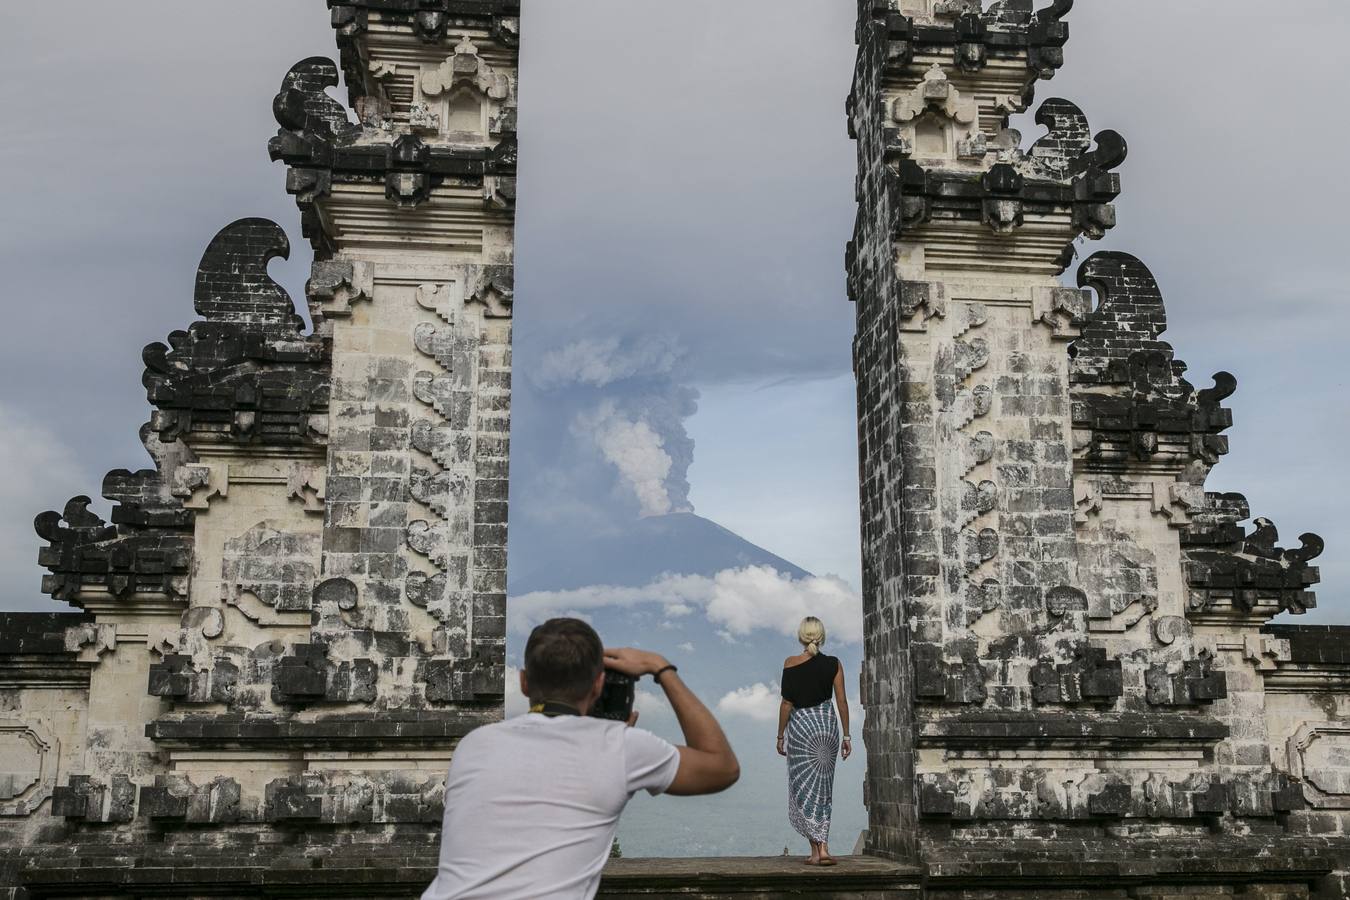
563	657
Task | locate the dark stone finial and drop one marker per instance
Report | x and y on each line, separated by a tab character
1068	139
247	373
303	105
1121	347
1019	14
1010	13
232	280
1110	153
1311	547
1065	152
1055	11
77	517
1225	386
121	558
1122	279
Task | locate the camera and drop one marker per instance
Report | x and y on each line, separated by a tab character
616	698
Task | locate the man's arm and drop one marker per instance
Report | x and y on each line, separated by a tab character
707	762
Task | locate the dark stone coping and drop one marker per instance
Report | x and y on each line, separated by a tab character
968	30
1315	644
1229	861
262	870
449	7
955	187
376	160
35	634
390	871
784	875
380	727
984	729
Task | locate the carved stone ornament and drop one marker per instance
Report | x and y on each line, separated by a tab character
28	758
937	94
466	69
247	373
1319	756
335	285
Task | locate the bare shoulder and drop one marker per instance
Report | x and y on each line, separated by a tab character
793	661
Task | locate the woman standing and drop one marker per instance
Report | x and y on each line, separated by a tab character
808	735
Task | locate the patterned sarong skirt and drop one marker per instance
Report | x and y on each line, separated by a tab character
812	748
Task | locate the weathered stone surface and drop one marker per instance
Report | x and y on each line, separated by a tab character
295	615
247	373
86	553
1069	689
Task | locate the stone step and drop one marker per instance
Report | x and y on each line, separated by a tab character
749	878
364	874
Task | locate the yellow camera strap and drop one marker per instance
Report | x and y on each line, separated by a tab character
552	710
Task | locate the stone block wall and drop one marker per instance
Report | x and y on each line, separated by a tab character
292	617
1072	678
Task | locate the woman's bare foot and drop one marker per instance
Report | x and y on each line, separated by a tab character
814	858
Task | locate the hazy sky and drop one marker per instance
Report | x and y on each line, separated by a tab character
686	193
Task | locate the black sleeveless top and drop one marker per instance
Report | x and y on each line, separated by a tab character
812	682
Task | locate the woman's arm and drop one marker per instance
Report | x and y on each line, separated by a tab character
841	701
784	710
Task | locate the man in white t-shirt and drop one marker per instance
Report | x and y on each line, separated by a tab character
532	804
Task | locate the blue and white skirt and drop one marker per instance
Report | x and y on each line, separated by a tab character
812	748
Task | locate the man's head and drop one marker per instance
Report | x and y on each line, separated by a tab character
565	663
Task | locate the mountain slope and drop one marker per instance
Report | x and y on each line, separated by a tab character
637	554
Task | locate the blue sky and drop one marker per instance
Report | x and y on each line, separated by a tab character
682	333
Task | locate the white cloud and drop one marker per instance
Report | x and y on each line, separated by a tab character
517	704
758	702
737	602
637	450
599	362
651	706
687	647
745	600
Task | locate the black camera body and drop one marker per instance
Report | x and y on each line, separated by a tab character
617	697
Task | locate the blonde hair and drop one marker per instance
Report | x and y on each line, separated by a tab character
811	633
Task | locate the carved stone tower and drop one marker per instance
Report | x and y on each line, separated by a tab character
291	618
1068	656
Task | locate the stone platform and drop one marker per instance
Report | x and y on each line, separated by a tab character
856	878
405	872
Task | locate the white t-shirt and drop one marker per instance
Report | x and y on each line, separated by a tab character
532	805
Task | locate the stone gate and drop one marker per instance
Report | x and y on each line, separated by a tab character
290	620
1073	685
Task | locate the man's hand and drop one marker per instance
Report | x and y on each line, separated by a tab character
634	663
707	762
